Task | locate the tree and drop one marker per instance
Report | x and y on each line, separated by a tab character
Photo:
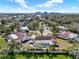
3	22
12	27
11	44
34	25
74	27
6	29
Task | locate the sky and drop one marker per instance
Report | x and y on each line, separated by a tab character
31	6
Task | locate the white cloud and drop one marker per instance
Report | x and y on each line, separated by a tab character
24	8
22	3
51	3
73	7
18	10
47	4
57	1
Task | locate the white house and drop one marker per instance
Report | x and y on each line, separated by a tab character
62	28
72	35
23	29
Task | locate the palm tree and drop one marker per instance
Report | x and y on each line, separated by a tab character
11	44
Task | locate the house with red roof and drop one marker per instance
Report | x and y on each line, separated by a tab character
67	35
18	36
44	41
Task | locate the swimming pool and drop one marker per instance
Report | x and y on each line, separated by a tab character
44	45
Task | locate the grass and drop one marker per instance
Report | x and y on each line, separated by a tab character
3	43
38	56
62	57
63	44
19	57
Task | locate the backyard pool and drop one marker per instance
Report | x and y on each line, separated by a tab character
45	45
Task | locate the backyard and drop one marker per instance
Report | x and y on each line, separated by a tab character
63	44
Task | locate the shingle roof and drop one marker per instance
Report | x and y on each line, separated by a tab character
18	35
44	38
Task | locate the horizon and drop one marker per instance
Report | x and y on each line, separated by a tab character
33	6
37	12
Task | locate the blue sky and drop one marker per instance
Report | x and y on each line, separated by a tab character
30	6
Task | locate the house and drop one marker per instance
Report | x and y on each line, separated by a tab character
13	36
67	35
24	29
73	35
44	41
22	24
34	32
77	38
63	34
18	37
62	28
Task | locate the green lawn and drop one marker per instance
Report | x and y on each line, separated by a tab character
63	44
62	57
3	43
37	56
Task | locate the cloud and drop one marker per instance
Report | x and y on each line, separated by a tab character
22	3
57	1
50	3
73	7
47	4
18	10
24	8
